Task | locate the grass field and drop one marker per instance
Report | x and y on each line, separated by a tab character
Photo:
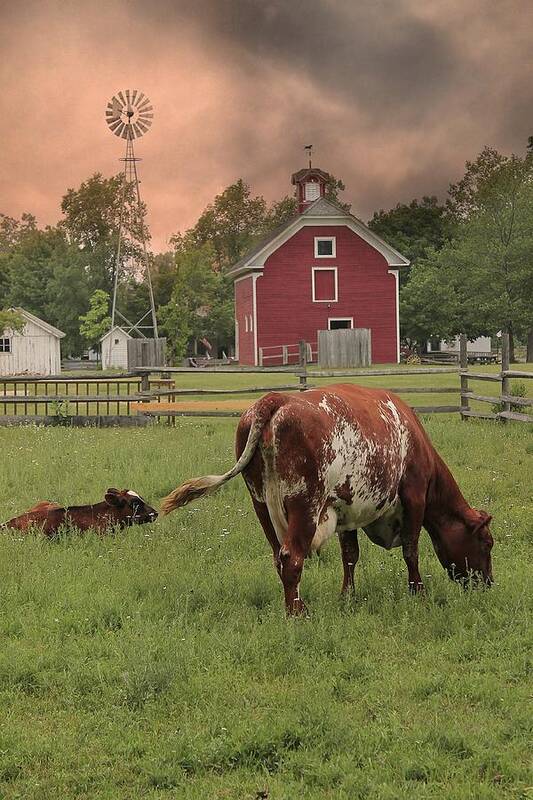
158	663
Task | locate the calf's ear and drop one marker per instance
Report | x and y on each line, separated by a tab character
113	498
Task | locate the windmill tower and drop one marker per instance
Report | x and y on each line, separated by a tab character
129	115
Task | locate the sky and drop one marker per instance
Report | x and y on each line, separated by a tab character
394	95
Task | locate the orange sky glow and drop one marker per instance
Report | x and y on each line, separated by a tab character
395	96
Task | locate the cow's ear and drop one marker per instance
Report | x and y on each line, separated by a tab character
113	498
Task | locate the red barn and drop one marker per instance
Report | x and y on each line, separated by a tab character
321	270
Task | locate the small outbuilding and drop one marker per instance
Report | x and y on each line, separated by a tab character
114	346
36	350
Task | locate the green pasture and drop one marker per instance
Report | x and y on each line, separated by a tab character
158	663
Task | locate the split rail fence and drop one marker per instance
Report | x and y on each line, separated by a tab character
504	401
137	397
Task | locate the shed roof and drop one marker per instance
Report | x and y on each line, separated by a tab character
116	328
53	331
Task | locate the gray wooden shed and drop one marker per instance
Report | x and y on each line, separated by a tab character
36	350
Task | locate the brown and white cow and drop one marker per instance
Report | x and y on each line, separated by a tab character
342	458
119	509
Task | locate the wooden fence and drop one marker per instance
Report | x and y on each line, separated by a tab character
66	397
504	401
137	395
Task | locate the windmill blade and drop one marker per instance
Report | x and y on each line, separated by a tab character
122	99
137	129
119	129
134	95
114	125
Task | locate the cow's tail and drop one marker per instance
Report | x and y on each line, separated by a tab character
261	413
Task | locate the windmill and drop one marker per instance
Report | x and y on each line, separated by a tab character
129	115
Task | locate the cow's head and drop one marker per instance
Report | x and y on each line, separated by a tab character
129	507
467	548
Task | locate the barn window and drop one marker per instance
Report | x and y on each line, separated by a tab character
325	247
5	344
117	341
312	190
325	285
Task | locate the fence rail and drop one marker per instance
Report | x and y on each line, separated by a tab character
151	391
505	400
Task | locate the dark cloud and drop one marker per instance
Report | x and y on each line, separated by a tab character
395	95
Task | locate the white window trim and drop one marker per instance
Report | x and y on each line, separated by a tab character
340	319
246	323
332	239
251	323
325	269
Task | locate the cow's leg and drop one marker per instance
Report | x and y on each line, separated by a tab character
263	516
350	557
293	551
413	517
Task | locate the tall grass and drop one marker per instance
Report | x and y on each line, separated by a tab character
158	663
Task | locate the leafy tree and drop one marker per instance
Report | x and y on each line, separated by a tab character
92	216
163	272
96	322
11	320
486	269
333	187
199	305
413	229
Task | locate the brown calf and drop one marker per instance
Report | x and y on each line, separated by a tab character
120	509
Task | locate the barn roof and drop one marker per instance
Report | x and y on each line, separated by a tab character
324	212
40	323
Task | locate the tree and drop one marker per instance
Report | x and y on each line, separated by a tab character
96	322
413	229
11	320
92	215
487	268
199	305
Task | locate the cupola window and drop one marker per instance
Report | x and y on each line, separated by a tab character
312	190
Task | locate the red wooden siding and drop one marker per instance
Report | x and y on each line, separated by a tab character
285	308
244	316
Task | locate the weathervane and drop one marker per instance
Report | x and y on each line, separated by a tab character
309	148
129	115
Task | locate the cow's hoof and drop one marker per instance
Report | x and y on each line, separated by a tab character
297	609
416	588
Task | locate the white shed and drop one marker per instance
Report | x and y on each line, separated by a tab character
34	351
115	348
480	345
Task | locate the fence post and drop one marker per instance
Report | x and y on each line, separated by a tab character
463	361
302	358
145	382
506	383
260	356
285	354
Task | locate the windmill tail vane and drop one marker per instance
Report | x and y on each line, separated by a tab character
129	115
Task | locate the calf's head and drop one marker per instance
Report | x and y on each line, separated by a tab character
468	548
129	507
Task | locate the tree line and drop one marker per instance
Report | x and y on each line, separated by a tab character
471	258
